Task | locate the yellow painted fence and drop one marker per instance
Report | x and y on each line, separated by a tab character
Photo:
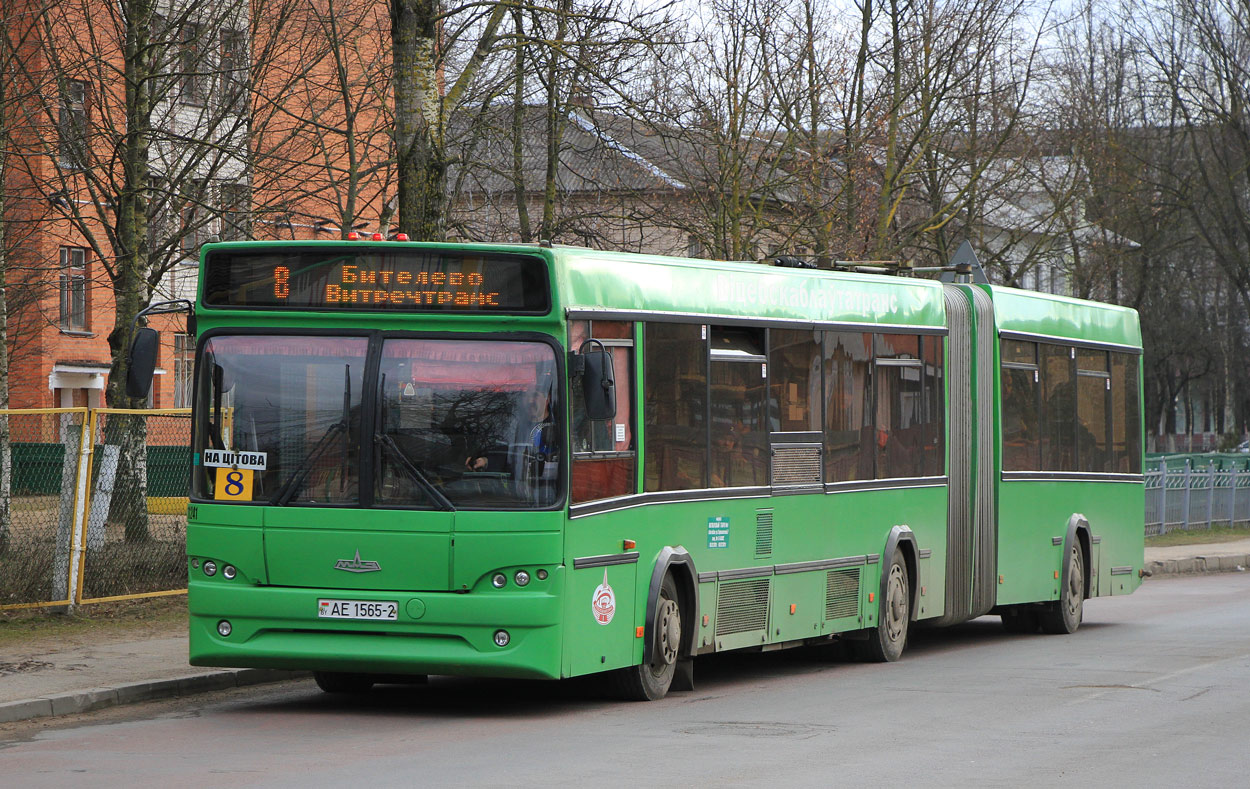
93	505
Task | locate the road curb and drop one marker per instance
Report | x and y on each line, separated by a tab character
1196	565
134	692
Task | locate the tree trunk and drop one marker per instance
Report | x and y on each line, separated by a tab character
422	162
555	125
130	285
6	465
518	129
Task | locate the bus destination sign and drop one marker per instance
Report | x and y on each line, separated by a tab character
347	278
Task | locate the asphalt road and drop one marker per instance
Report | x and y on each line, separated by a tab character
1154	689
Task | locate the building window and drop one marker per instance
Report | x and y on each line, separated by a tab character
197	218
236	222
72	124
694	247
73	288
193	79
184	369
233	67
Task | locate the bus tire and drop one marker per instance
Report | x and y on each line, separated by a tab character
651	681
339	682
1063	616
886	641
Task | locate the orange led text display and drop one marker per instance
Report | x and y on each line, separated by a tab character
362	285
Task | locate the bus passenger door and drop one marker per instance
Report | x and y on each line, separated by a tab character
602	605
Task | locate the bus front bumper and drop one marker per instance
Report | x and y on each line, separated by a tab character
435	633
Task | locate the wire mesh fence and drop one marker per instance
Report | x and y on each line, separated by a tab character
95	507
136	524
1195	498
40	472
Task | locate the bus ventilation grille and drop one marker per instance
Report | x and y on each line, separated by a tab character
742	606
763	534
797	466
842	593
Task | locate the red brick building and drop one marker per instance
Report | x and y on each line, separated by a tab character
232	154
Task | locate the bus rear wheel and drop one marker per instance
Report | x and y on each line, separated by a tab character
339	682
885	643
1064	615
651	681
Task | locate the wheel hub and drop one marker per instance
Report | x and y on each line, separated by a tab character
896	605
668	633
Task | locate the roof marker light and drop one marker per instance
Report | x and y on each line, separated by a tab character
401	236
353	236
377	236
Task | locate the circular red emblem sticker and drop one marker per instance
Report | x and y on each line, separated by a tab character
603	604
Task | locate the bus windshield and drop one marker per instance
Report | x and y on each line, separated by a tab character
468	421
454	423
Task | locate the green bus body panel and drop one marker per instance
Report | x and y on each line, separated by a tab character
618	281
1037	512
1060	316
437	566
437	632
804	528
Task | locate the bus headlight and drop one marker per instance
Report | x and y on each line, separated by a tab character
502	638
210	568
522	578
499	580
223	628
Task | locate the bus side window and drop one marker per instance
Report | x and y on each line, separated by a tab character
794	362
1093	410
1021	406
675	411
604	457
848	406
900	413
935	412
1125	414
1058	407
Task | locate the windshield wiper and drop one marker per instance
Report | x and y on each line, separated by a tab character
442	501
292	486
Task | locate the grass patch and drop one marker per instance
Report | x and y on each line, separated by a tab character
1199	536
34	629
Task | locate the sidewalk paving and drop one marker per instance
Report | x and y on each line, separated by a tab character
54	682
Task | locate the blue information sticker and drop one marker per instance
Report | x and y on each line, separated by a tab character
718	532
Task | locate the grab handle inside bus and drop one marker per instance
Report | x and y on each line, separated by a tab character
598	381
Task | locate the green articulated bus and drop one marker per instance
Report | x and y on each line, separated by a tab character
535	461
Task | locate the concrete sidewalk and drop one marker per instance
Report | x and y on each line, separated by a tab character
84	678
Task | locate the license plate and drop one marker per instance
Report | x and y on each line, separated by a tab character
357	609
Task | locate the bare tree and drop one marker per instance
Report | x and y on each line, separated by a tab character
422	108
135	127
321	155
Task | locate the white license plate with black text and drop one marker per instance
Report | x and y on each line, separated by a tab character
357	609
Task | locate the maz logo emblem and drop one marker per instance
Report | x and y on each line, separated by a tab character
356	565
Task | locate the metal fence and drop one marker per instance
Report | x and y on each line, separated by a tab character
93	505
1192	497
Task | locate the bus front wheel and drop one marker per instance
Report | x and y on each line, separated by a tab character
1064	615
651	681
885	643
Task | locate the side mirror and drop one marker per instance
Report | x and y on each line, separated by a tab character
141	362
599	383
